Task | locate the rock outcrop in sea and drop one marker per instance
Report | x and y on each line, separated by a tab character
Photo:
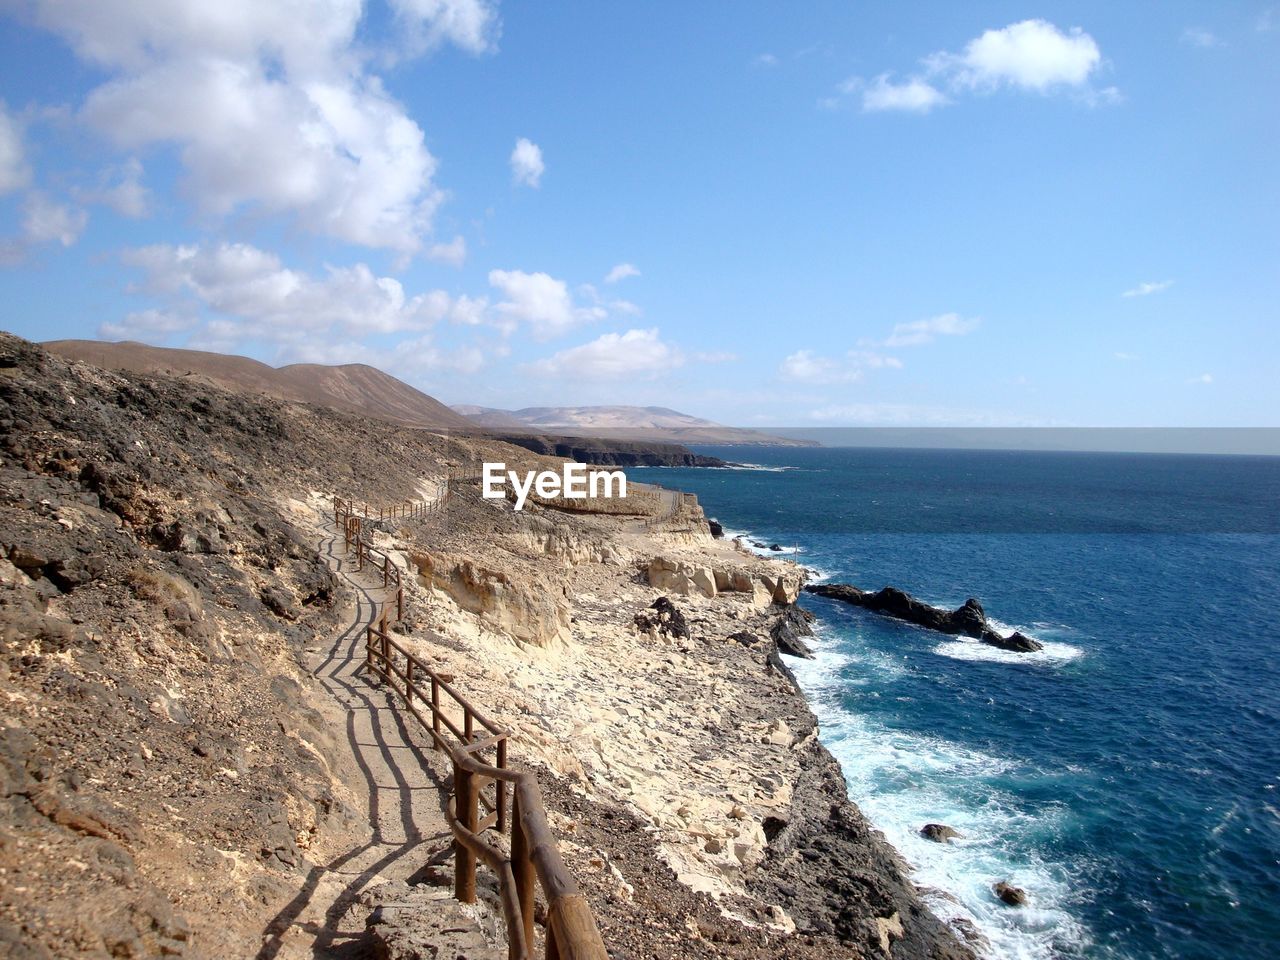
967	620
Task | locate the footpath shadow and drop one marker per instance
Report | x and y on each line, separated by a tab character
388	758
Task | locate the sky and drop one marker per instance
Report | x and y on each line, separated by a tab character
821	214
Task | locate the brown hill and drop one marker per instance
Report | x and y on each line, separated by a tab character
355	387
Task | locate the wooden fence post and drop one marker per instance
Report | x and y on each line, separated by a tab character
522	870
501	787
464	861
435	709
408	682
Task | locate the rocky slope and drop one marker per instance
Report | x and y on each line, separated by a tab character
355	387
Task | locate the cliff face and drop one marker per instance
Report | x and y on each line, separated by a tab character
616	453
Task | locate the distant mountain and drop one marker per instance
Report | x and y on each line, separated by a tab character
621	422
355	387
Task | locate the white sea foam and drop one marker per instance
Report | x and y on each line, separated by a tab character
1054	652
749	541
761	467
903	780
976	650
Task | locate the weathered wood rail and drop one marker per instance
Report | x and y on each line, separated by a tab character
471	740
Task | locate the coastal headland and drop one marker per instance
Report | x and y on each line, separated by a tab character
173	776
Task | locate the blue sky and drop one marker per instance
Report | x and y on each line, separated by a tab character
792	214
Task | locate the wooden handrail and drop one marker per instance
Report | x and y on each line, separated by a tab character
571	931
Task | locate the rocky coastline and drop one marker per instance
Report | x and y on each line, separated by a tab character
172	772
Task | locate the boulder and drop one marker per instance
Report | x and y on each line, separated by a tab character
787	631
703	578
717	530
1016	642
1013	896
938	832
665	620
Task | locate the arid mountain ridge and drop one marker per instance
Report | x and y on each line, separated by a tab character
355	387
360	388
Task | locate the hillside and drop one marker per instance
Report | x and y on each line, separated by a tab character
355	387
622	422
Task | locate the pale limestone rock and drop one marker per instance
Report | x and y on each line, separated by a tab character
526	612
704	580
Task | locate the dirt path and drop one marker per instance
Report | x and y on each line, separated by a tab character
405	786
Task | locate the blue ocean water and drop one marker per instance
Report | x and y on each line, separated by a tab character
1127	776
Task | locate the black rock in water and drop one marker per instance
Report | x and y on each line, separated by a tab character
775	547
1013	896
1016	642
786	632
938	832
968	620
717	530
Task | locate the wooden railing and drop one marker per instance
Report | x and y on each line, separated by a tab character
468	737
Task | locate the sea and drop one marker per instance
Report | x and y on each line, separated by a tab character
1125	776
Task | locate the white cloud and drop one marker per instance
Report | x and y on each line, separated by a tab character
469	24
636	353
148	325
469	311
914	95
269	106
621	272
918	332
1266	21
805	366
14	172
1030	55
121	189
1200	37
766	60
46	221
1126	357
261	299
539	300
526	163
453	253
1204	378
1148	288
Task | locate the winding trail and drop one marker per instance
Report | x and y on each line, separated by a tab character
404	782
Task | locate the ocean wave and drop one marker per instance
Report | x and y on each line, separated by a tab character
976	650
757	545
760	467
903	780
